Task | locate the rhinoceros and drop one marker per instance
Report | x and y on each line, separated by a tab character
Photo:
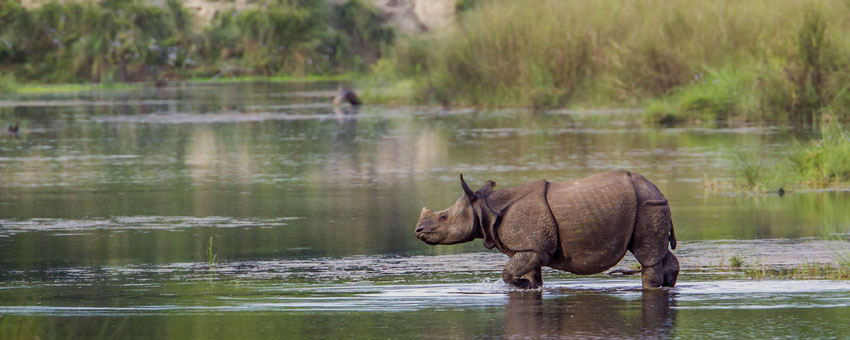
583	226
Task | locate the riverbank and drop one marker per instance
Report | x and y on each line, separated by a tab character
684	61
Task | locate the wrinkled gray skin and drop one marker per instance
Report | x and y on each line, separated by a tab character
583	226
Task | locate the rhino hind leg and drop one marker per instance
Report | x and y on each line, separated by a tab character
662	274
523	270
651	236
649	244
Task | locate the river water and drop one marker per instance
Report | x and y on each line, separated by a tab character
111	201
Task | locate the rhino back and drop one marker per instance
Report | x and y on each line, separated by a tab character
596	217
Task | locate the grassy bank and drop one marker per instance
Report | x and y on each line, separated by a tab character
820	163
141	41
683	60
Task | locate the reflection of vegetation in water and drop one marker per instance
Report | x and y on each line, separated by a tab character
830	271
213	257
736	267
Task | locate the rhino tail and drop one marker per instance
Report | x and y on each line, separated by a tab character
672	236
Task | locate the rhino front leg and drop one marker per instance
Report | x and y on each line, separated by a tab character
535	276
523	270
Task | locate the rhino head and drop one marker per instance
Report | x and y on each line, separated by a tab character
455	224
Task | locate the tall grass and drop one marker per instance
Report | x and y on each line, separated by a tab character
760	59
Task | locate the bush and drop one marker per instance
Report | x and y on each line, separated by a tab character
115	40
137	40
711	96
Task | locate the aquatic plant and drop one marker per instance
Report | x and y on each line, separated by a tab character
748	168
212	256
736	261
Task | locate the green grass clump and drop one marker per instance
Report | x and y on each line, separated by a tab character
736	261
825	161
750	170
711	96
820	163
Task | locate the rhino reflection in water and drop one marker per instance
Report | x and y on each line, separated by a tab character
590	315
583	226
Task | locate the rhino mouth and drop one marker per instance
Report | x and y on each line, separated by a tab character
423	236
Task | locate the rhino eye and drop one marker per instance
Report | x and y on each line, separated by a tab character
443	218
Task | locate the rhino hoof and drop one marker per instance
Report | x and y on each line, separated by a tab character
525	284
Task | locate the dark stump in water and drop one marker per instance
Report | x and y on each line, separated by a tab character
347	95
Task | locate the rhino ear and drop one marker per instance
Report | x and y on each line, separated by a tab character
485	190
466	190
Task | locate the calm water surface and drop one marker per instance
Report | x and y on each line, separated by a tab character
109	200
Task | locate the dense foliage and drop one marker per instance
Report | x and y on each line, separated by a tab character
135	40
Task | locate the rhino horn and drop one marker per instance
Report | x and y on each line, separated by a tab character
469	193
